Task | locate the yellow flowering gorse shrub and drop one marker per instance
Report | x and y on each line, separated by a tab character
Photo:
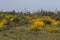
46	18
39	23
1	25
51	29
11	19
4	21
55	23
33	27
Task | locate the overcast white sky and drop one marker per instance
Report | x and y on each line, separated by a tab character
32	5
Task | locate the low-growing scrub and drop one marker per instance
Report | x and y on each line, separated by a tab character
38	21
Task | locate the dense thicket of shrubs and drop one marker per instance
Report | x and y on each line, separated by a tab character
12	19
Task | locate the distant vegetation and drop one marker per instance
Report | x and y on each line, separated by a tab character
47	20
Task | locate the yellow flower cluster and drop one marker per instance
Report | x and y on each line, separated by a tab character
11	19
5	18
1	25
51	29
39	22
36	24
55	23
46	18
4	21
33	27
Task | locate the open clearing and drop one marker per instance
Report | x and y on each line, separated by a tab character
21	33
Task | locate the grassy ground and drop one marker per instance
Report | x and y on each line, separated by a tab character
22	33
